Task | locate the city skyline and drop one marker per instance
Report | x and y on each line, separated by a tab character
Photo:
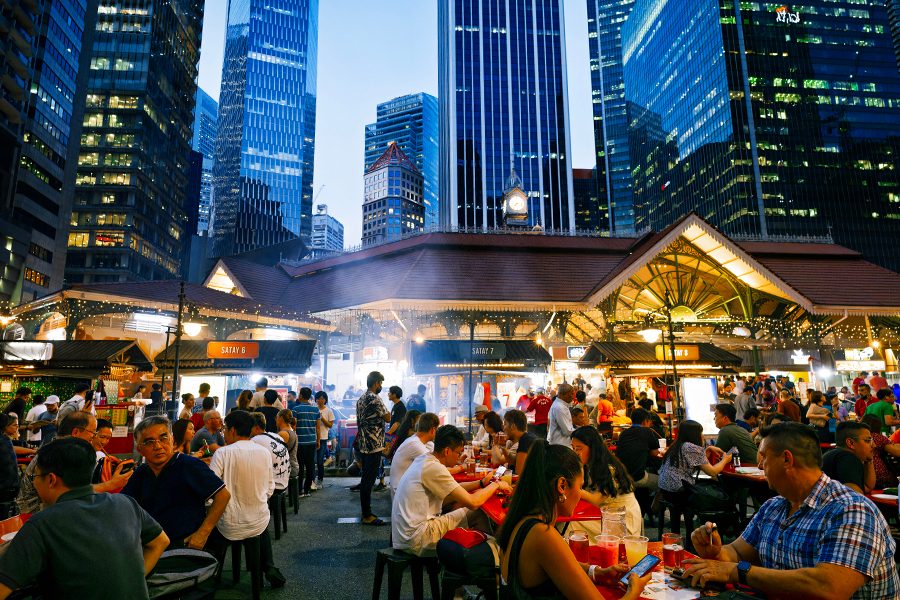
345	72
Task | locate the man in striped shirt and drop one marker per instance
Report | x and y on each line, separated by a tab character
308	441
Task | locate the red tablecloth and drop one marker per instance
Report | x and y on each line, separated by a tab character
747	477
584	511
614	593
465	477
24	460
891	502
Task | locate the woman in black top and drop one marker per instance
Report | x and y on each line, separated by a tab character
536	562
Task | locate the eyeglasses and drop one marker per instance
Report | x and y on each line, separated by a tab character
162	441
34	476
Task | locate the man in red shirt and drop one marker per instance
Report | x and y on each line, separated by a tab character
865	400
877	382
787	407
525	400
859	380
540	404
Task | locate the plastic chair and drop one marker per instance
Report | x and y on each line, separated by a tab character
397	562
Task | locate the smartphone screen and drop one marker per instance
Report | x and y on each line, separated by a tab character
644	566
499	473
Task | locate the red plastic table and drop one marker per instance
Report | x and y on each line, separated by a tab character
584	511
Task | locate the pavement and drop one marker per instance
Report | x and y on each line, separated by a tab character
320	558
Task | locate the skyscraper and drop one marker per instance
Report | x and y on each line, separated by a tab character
262	178
206	118
503	95
590	211
38	193
393	202
605	19
129	222
327	233
412	122
767	119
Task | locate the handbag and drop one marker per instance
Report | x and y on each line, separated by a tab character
706	495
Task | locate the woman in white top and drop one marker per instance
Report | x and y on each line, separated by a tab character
817	414
607	483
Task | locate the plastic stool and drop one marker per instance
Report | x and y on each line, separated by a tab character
278	512
294	493
254	563
396	562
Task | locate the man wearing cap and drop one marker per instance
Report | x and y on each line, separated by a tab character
47	420
480	412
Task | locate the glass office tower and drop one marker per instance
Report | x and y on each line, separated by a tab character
262	178
503	98
206	119
615	211
412	122
767	119
128	221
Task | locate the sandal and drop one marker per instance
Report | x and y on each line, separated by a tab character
376	522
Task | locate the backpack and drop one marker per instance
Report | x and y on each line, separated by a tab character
469	553
181	569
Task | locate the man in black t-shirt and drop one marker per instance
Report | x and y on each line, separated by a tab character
851	462
515	425
270	397
635	447
398	411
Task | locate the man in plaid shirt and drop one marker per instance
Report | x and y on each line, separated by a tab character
817	539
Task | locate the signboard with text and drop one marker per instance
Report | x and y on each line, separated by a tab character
682	352
232	350
483	351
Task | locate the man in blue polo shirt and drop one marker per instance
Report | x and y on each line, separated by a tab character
59	547
174	489
307	417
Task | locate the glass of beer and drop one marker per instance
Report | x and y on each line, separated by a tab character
470	466
673	550
580	545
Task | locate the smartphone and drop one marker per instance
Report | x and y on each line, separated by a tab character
644	566
127	466
501	470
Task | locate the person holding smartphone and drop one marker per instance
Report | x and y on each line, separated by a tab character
537	562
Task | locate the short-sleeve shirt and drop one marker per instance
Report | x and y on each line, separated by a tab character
541	407
281	457
197	420
205	434
48	432
176	497
271	414
789	409
411	448
307	415
9	471
881	409
328	415
398	411
33	413
834	525
884	477
416	402
672	478
370	412
842	465
418	499
735	436
634	447
526	441
56	545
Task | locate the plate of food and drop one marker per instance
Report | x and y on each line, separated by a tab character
885	496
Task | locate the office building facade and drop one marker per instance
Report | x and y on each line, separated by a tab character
206	118
768	120
327	234
38	193
503	98
262	177
129	218
412	122
393	204
591	214
605	20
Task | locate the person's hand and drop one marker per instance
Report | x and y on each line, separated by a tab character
636	585
486	480
119	479
196	541
504	487
610	576
707	541
702	572
198	454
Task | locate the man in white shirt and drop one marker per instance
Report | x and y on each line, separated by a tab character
481	435
258	398
246	468
427	486
34	437
422	442
559	420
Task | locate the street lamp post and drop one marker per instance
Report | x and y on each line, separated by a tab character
179	330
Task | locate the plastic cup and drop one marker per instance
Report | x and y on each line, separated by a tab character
635	548
580	545
662	444
607	550
673	550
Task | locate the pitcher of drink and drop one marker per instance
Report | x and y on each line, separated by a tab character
614	521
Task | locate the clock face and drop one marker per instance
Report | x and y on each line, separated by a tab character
517	203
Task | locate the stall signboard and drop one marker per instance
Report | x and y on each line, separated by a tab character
682	352
575	352
232	350
859	365
483	351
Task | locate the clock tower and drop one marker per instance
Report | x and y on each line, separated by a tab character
515	201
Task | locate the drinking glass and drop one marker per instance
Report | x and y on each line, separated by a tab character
635	548
607	550
579	544
673	550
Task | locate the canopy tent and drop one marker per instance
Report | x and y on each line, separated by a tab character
449	356
72	357
639	358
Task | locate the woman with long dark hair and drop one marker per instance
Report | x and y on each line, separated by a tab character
406	428
243	401
686	455
607	483
182	434
536	562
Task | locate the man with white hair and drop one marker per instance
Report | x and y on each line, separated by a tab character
210	433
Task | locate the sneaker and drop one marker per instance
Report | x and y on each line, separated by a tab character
320	485
305	495
355	488
313	487
379	487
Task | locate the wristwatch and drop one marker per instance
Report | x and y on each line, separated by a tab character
743	568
